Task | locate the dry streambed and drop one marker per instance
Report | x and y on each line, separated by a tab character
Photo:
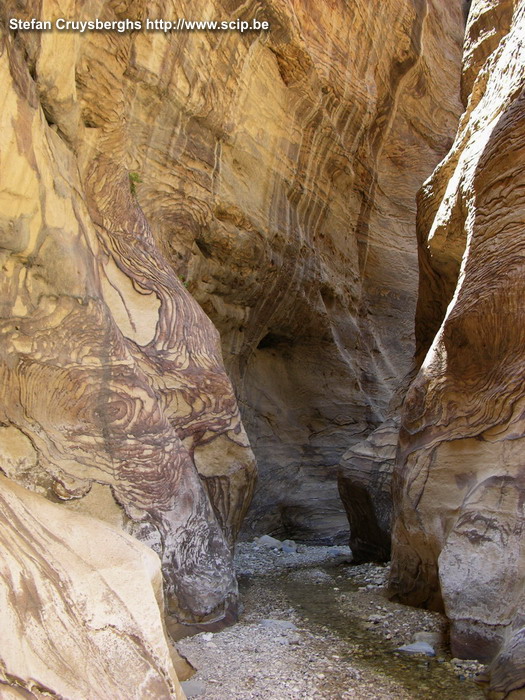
315	627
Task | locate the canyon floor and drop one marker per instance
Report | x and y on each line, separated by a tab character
315	627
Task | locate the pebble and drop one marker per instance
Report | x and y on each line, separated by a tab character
193	689
417	648
375	618
435	639
269	541
278	624
289	547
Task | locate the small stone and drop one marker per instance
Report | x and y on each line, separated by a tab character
417	648
376	619
207	636
278	624
193	689
289	547
433	638
269	542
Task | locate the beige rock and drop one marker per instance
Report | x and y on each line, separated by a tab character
274	173
270	175
110	373
81	606
365	480
283	191
459	481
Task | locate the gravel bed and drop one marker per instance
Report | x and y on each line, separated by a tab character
314	627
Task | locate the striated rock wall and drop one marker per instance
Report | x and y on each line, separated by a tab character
112	386
273	176
279	174
80	606
459	480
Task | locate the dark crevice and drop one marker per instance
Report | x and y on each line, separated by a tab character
272	340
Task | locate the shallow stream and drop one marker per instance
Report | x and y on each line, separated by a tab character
332	601
314	627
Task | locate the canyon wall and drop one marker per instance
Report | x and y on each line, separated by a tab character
459	479
81	607
112	387
365	487
279	174
152	182
272	176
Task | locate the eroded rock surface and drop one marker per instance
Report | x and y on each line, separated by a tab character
112	387
365	484
280	171
459	483
81	606
273	175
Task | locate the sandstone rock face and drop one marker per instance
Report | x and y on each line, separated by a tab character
80	606
275	174
112	387
365	481
459	483
279	173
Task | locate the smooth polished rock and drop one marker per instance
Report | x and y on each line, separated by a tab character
459	487
81	606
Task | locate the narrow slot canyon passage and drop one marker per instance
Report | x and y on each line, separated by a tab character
262	349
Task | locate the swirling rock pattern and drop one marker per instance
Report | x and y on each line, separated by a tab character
459	482
279	174
79	606
275	174
112	382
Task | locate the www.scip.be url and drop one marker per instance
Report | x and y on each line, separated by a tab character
128	25
182	25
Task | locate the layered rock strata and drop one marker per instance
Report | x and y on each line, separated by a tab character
80	607
459	482
112	387
279	173
275	173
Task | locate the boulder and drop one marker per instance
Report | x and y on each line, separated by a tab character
81	606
